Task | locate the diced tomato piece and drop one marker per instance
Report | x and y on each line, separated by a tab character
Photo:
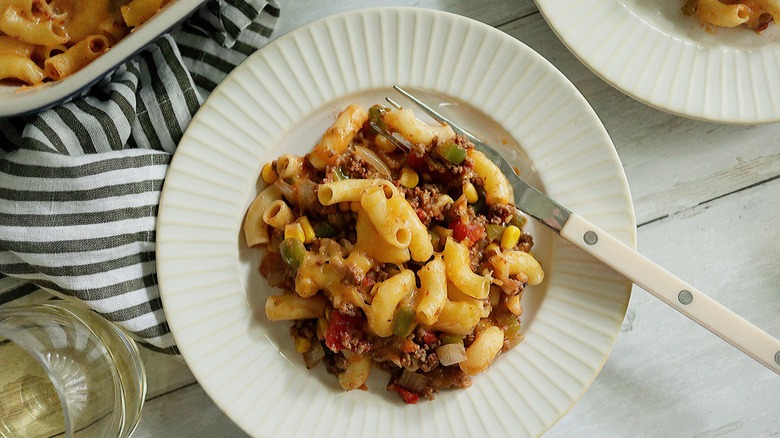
462	231
407	396
368	281
416	162
429	337
340	325
419	163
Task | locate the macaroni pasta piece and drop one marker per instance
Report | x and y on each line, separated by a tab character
52	39
351	190
138	11
457	262
255	228
356	372
13	46
412	260
458	317
21	68
482	351
336	139
414	130
433	291
290	307
387	296
75	58
754	14
497	187
375	245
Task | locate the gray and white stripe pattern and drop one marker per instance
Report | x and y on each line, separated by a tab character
80	183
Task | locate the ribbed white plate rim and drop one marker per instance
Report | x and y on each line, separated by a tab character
652	52
218	325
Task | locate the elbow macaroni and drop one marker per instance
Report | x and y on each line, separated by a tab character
388	296
378	268
497	187
456	260
433	291
336	139
255	228
51	40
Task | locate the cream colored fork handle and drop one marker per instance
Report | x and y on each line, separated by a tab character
682	296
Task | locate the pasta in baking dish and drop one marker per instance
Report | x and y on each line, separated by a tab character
413	262
754	14
44	40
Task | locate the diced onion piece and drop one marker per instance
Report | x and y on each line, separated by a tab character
313	355
287	190
412	381
450	354
373	159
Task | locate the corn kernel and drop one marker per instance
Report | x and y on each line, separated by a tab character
409	178
302	344
308	230
510	237
384	144
294	231
322	325
471	193
268	174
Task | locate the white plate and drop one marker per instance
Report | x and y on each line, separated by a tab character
15	100
649	50
282	99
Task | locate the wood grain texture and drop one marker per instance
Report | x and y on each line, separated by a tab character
186	413
164	373
706	201
667	376
672	163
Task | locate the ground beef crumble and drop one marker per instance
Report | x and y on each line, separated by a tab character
423	201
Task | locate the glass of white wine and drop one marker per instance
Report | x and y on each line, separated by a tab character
66	370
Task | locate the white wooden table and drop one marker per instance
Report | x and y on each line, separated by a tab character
706	199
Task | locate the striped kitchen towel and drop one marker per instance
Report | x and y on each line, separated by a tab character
80	183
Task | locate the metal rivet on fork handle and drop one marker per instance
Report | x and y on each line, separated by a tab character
685	297
590	238
777	357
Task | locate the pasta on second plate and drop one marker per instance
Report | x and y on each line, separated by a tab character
47	40
754	14
413	262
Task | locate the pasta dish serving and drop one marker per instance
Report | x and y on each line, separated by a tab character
754	14
47	40
411	261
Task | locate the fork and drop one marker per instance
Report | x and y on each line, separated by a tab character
675	292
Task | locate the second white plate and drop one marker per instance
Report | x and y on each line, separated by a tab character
649	50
